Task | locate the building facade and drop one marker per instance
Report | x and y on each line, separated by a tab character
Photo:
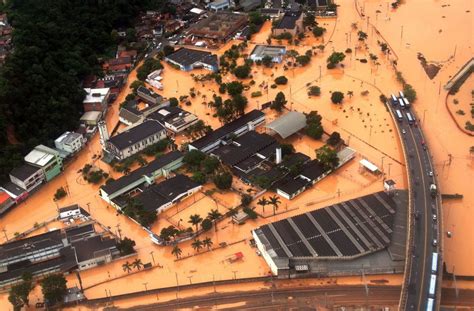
47	159
70	142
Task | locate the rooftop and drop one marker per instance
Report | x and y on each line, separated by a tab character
244	147
136	134
95	95
93	247
68	138
227	129
144	90
91	116
41	155
220	25
288	20
166	191
147	170
187	57
34	243
313	169
288	124
268	50
348	229
13	189
24	172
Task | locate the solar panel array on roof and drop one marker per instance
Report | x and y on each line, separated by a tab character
348	229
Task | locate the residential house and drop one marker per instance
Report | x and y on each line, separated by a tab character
291	22
135	139
148	95
96	99
188	59
276	52
273	13
141	177
70	142
118	65
6	202
15	192
219	5
47	159
236	128
27	176
91	118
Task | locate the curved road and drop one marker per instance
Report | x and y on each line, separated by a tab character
425	209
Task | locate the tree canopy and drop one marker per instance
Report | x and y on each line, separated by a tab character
56	45
54	288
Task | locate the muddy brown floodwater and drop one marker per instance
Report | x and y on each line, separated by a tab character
362	121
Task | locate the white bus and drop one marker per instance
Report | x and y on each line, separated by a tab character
430	304
407	103
401	94
432	285
399	115
410	118
401	102
434	263
394	100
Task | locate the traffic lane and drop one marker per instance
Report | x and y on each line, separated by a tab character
418	164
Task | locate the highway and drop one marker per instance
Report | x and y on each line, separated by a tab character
425	213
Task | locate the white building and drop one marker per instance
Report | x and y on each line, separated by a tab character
96	99
70	142
134	140
219	5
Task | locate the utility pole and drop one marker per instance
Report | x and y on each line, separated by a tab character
235	274
401	33
88	207
455	284
190	278
145	284
214	282
177	285
5	234
152	257
273	286
119	231
382	163
366	288
389	164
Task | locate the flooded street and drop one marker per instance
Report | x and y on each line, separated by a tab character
362	120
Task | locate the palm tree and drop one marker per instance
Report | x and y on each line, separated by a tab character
197	245
214	215
176	251
137	263
207	242
350	94
231	212
127	267
195	220
274	200
263	202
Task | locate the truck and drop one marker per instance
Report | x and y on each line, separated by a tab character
433	190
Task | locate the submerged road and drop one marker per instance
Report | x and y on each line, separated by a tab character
421	289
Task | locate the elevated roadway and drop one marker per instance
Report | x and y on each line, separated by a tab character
425	233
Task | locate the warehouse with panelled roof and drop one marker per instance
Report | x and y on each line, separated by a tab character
342	231
188	59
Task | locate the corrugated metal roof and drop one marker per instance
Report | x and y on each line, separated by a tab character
288	124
